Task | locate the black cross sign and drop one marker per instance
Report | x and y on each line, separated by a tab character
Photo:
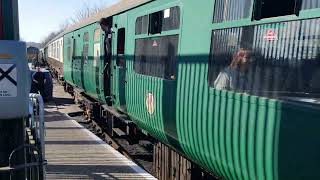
5	74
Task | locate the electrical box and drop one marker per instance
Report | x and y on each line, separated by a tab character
14	80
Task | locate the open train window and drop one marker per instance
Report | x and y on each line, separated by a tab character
121	47
155	23
275	8
165	20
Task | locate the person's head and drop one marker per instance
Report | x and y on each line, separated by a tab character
241	59
38	69
104	24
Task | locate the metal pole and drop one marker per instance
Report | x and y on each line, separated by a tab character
40	126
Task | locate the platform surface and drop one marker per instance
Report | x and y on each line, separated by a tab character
73	152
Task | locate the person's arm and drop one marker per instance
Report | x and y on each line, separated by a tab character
222	82
33	79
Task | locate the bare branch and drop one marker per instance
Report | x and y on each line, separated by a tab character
85	12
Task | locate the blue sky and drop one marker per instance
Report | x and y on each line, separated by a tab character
38	18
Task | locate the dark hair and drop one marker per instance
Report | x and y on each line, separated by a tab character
103	21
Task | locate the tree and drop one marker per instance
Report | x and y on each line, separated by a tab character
85	12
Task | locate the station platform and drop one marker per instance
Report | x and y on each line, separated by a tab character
73	152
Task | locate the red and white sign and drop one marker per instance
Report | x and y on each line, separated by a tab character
155	44
271	35
150	103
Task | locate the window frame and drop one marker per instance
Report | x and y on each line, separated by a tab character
164	33
94	35
307	13
175	63
147	15
303	14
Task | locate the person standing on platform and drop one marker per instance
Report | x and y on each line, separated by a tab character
39	79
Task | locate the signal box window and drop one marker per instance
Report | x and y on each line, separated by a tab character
255	60
157	56
275	8
231	10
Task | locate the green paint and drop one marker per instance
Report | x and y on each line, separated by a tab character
232	135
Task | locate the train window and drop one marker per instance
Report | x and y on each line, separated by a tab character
58	51
155	22
121	47
171	19
142	25
121	40
96	53
156	56
168	19
54	50
86	37
275	8
231	10
85	53
97	35
278	60
310	4
74	46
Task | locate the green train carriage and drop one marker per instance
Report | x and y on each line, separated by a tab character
166	59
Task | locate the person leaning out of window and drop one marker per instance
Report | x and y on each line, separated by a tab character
233	77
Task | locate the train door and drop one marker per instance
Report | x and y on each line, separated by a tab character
155	67
73	56
67	64
77	59
119	63
98	62
105	61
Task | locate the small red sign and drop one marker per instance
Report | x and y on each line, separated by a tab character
271	35
155	44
